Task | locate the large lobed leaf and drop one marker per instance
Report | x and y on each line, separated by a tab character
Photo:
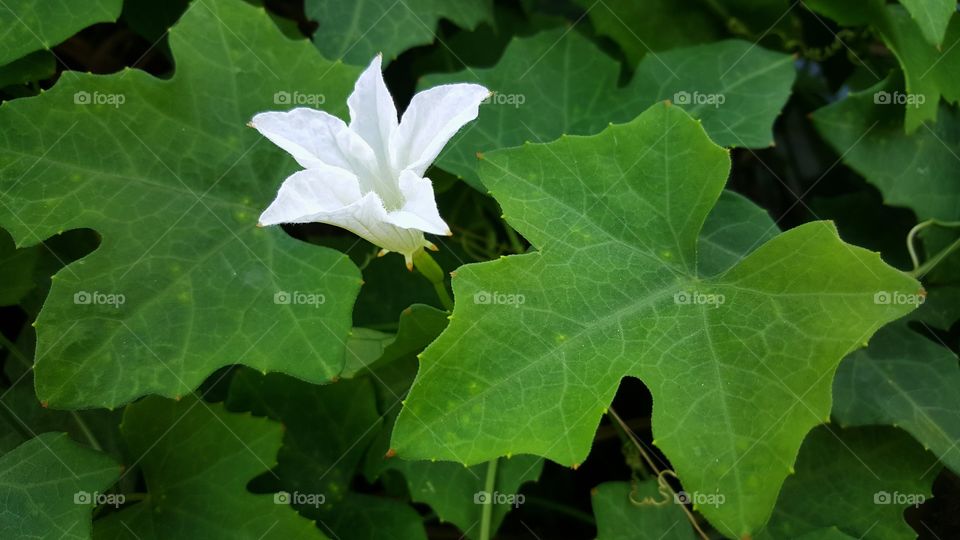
328	429
638	511
196	460
27	26
653	25
453	491
538	343
48	485
859	480
906	380
930	72
173	182
356	31
558	82
932	16
920	171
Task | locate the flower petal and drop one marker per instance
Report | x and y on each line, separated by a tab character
420	209
432	118
331	195
307	194
373	115
315	138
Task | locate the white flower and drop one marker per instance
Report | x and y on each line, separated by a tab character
368	177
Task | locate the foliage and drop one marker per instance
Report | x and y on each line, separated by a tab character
703	281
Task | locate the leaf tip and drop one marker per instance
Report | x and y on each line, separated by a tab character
575	466
479	155
390	453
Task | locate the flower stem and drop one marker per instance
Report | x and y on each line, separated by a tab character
429	268
486	518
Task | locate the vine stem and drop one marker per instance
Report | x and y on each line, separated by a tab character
486	518
653	466
429	268
919	270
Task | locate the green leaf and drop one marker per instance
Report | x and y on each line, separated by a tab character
419	325
906	380
35	66
452	490
930	72
941	309
47	485
859	480
152	19
919	171
645	26
197	459
30	26
613	290
343	416
638	512
932	16
356	31
830	533
174	182
22	417
328	431
734	228
947	271
457	493
16	270
557	83
365	517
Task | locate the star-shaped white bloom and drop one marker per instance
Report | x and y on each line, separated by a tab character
368	177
